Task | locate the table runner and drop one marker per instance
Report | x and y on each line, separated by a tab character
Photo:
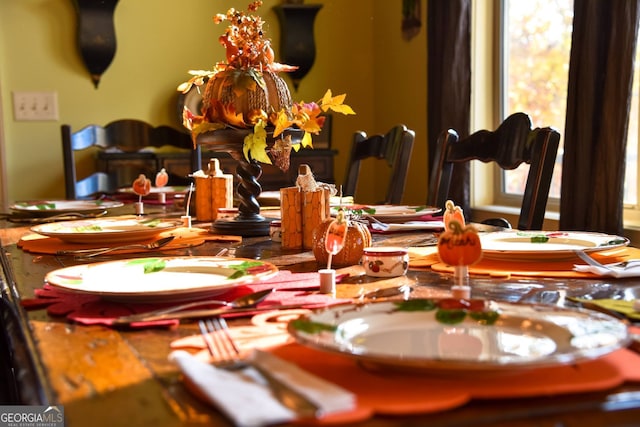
420	258
184	237
388	392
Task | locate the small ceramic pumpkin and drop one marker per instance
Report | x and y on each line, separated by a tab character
459	245
358	237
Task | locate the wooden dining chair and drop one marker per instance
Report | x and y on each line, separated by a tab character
132	143
514	142
394	148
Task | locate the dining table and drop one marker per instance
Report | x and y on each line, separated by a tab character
108	375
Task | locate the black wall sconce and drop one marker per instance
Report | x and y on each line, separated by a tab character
297	44
96	35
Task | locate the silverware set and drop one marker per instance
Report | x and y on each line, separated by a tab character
624	265
90	253
226	355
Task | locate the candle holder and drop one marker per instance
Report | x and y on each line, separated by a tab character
248	222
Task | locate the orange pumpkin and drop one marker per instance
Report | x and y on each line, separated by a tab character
162	178
452	212
234	96
357	238
142	185
459	245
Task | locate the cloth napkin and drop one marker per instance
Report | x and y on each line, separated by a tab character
618	273
244	397
290	288
184	237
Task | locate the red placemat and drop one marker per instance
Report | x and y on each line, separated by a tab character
290	288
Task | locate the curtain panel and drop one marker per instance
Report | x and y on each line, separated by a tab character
449	82
598	102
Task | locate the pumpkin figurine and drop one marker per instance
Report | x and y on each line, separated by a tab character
459	246
162	178
452	212
141	186
327	238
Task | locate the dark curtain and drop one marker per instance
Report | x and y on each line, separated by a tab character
449	81
598	101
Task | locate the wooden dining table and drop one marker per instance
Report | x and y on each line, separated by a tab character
106	376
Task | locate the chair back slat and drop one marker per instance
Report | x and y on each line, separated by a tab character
513	143
126	136
394	148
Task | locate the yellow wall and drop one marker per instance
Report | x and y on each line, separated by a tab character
360	52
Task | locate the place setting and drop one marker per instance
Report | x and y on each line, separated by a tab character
116	235
377	353
46	211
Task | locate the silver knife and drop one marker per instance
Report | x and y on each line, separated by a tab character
197	314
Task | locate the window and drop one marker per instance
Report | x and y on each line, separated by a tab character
534	51
534	47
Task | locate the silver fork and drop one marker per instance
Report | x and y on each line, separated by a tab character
624	265
226	354
90	253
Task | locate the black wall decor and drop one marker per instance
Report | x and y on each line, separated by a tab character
297	43
96	35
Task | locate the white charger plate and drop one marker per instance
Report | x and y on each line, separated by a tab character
409	335
54	207
546	245
106	230
160	278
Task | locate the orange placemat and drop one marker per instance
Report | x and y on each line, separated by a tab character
389	392
505	268
184	237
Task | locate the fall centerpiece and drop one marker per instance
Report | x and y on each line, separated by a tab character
247	109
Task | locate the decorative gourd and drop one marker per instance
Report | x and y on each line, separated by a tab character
358	237
241	97
142	185
452	212
459	245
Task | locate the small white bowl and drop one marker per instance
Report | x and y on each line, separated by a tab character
385	261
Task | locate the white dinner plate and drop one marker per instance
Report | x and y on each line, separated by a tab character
157	190
54	207
534	245
160	278
412	335
390	213
106	230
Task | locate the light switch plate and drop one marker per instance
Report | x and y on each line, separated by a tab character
35	106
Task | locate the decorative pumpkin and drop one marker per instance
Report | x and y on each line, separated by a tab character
459	245
452	212
142	185
162	178
242	96
357	238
